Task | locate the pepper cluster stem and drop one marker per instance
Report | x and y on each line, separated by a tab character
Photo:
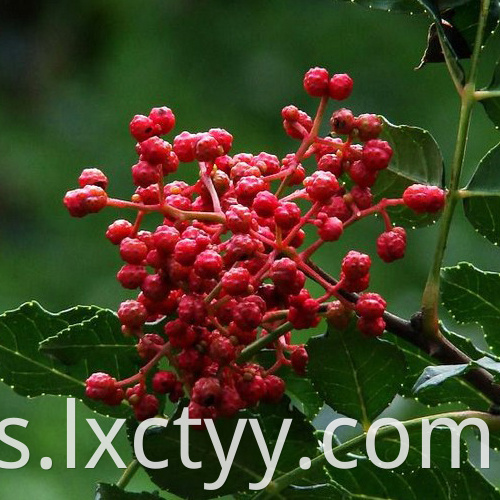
430	297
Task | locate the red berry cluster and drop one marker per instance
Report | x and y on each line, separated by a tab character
226	269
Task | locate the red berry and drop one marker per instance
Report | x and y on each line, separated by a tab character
355	284
164	382
170	164
146	408
391	245
103	387
154	287
243	337
355	265
131	276
223	137
184	146
132	313
331	163
133	250
236	281
297	176
268	164
207	148
342	121
422	198
361	175
186	251
252	391
178	334
321	186
84	201
248	187
299	359
265	203
248	314
331	229
94	177
198	412
337	207
149	195
192	310
275	388
241	246
190	360
206	391
283	272
239	219
177	392
222	350
316	82
362	197
149	345
287	215
340	86
377	154
163	118
165	238
369	126
302	312
119	230
208	264
338	315
135	394
371	327
370	305
230	403
142	128
154	150
144	174
290	113
224	163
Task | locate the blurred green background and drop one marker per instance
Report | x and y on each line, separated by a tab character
72	74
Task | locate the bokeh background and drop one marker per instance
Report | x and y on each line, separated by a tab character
72	74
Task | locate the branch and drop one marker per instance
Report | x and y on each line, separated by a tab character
441	349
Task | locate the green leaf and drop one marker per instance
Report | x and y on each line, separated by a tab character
492	106
482	206
465	19
357	376
489	364
299	388
410	480
162	443
319	492
248	467
473	296
94	345
452	389
435	375
301	440
27	370
112	492
457	24
416	159
404	6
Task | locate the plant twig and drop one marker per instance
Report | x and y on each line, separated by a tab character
282	482
128	474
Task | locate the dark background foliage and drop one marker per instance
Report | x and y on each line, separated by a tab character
72	74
